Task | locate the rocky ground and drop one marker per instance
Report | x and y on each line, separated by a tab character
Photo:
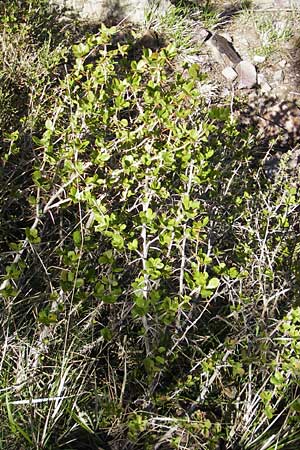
265	72
270	40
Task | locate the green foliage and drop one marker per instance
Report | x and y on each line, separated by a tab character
150	270
143	180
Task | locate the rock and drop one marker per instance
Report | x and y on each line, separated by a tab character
278	75
265	87
200	35
287	3
258	59
227	36
265	4
281	120
282	63
223	51
247	75
262	82
271	166
96	11
229	73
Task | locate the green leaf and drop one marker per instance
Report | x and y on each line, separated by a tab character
47	317
160	360
32	235
277	379
14	426
233	272
295	406
106	258
127	161
99	290
117	241
266	396
269	412
133	245
77	238
150	215
149	365
111	298
141	66
205	293
80	50
219	113
194	70
49	125
79	282
106	333
186	202
213	283
200	278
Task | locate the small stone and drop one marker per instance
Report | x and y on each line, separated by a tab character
289	45
247	75
260	79
297	54
265	87
287	3
200	35
243	41
294	161
278	75
223	50
229	73
262	82
282	63
258	59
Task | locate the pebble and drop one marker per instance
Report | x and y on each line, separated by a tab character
282	63
247	75
278	75
264	85
229	73
260	78
258	59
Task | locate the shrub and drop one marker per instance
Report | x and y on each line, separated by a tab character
148	299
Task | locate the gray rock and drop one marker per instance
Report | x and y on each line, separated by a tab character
95	11
282	63
278	75
223	50
286	4
247	75
259	59
229	73
262	82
